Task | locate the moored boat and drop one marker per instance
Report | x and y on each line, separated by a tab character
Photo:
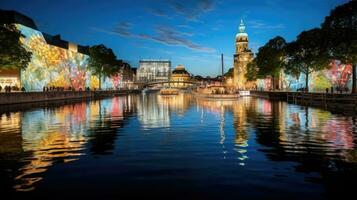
217	96
169	91
217	92
244	93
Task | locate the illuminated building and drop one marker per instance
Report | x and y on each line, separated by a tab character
242	57
153	70
54	63
337	75
180	75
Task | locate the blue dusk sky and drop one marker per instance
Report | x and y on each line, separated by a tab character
189	32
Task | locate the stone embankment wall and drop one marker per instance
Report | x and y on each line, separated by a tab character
26	97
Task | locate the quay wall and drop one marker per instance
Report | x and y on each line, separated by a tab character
335	101
27	97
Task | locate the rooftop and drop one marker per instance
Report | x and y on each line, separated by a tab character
14	17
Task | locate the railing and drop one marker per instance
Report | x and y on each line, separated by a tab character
345	102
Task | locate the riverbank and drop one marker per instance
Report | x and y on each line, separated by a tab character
335	101
30	97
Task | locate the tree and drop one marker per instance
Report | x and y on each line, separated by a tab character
229	74
12	54
341	30
307	54
270	58
252	71
102	62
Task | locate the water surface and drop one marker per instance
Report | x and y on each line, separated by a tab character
177	147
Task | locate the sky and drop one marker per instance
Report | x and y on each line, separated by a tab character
192	33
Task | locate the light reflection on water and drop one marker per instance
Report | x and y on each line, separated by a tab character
230	143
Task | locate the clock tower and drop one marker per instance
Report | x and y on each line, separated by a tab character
242	57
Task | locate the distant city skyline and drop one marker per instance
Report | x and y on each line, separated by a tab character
191	33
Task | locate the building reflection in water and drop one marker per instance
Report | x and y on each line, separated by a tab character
150	114
154	110
291	129
296	130
38	139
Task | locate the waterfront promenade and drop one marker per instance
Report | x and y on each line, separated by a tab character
28	97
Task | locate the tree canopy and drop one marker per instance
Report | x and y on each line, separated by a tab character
103	62
12	54
340	28
306	54
252	71
270	57
229	74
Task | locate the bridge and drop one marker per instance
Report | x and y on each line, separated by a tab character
166	83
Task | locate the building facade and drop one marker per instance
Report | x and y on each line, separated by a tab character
54	63
180	77
154	71
241	58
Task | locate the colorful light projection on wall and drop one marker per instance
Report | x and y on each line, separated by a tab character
58	67
337	76
51	65
113	82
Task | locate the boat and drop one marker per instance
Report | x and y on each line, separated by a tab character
218	92
169	91
244	93
144	91
149	90
217	96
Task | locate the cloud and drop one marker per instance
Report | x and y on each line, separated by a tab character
158	12
191	9
123	29
164	35
184	26
168	36
257	24
194	9
205	5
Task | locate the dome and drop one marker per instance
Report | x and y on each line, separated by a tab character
242	32
242	35
180	69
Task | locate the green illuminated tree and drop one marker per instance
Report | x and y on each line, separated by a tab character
103	62
341	30
12	54
252	71
306	54
270	58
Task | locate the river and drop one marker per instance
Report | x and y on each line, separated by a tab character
177	147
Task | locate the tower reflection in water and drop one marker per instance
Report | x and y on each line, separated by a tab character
238	108
38	139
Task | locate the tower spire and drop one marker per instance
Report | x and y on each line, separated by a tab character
241	26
